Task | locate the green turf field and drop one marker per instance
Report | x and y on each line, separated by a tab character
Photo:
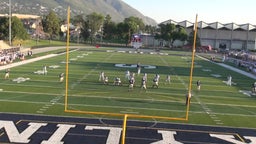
215	104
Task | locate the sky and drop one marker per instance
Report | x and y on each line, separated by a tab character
209	11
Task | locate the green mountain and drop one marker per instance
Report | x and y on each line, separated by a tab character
117	9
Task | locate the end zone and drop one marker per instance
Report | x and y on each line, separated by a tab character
17	128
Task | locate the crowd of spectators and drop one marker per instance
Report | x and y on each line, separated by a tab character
242	58
9	55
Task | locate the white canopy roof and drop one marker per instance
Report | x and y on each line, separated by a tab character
214	25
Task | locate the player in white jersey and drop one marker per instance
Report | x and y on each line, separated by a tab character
143	84
229	80
168	79
198	84
61	76
45	70
188	98
117	81
145	77
105	81
102	76
7	73
127	75
138	68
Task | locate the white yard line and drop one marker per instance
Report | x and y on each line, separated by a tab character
26	61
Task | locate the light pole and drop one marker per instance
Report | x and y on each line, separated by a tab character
101	36
90	37
10	23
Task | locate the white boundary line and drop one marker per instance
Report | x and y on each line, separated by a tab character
230	68
26	61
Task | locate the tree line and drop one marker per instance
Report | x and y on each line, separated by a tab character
96	26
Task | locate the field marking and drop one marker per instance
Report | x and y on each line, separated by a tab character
129	112
19	92
27	61
126	107
224	97
172	70
252	112
217	104
179	111
147	91
203	105
30	102
123	98
32	80
89	73
52	102
84	76
196	112
246	92
10	98
230	68
206	109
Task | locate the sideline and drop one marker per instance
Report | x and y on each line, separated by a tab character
26	61
231	68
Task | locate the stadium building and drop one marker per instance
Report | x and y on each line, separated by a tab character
224	36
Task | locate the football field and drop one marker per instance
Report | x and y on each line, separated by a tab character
30	91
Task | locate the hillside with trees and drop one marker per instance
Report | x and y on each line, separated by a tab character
118	9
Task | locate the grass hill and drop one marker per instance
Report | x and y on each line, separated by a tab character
117	9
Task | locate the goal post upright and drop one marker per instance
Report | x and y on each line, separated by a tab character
124	128
67	59
191	69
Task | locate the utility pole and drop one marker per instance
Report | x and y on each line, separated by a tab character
10	22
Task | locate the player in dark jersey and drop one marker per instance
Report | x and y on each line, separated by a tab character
198	84
254	87
117	81
131	83
156	81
